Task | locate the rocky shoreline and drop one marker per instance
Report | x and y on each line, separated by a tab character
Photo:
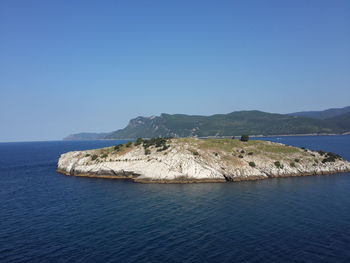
190	160
190	181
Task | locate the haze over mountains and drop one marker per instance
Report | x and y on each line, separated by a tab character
232	124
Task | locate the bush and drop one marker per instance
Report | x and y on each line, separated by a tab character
296	160
328	160
138	141
195	153
292	164
147	151
118	148
321	152
94	157
165	147
278	164
128	144
334	155
240	156
331	157
87	155
158	142
252	164
242	151
244	138
250	153
104	155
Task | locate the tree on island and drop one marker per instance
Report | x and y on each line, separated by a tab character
244	138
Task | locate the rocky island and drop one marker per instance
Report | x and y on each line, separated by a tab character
189	160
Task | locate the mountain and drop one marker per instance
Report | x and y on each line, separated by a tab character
235	123
322	115
232	124
342	121
87	136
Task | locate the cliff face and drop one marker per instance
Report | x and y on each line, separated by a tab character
194	160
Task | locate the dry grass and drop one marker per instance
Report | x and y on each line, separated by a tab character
229	149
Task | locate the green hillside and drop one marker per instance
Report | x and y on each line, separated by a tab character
235	123
342	121
322	115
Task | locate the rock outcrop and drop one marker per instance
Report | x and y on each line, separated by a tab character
193	160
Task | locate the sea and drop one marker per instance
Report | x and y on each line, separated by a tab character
49	217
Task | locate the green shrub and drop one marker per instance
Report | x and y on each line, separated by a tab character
252	164
334	155
328	160
94	157
321	152
165	147
118	147
244	138
250	153
147	151
104	155
128	144
296	160
292	164
240	156
157	142
87	155
278	164
195	153
138	141
242	151
331	157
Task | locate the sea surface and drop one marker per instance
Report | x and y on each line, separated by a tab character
49	217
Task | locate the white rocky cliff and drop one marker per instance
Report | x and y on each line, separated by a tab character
193	160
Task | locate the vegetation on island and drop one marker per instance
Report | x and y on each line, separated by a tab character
329	156
241	149
245	138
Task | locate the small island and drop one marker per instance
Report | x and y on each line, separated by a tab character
191	160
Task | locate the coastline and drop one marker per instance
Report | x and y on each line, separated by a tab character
194	180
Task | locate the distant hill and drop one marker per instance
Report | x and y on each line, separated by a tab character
86	136
342	121
322	115
235	123
232	124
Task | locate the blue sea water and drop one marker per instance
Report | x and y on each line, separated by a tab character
49	217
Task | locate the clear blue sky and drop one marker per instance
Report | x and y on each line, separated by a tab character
72	66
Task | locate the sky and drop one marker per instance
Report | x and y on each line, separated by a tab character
74	66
